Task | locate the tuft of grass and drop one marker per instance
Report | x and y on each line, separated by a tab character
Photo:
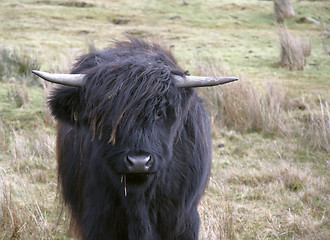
241	106
19	95
3	139
48	118
293	50
316	130
28	150
217	220
283	10
15	66
8	216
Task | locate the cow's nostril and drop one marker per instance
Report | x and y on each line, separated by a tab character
150	162
129	161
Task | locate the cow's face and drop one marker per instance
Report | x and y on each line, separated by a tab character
139	131
143	139
132	124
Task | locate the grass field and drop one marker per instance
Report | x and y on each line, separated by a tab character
271	130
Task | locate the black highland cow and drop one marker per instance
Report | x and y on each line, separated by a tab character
133	145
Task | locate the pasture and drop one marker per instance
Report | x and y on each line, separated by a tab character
271	130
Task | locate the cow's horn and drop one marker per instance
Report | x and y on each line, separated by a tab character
77	80
196	81
74	80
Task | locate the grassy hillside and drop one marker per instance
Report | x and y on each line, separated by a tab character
271	130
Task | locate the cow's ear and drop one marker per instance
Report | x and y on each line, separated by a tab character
65	103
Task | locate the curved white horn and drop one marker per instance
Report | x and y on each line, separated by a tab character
77	80
196	81
74	80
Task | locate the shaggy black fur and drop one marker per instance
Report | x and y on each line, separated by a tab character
130	104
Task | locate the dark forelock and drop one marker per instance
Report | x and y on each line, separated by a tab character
131	78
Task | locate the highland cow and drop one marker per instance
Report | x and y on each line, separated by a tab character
133	143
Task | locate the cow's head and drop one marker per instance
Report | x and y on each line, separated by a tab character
132	99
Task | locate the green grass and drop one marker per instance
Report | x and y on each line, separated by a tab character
270	179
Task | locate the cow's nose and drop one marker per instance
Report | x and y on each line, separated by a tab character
138	163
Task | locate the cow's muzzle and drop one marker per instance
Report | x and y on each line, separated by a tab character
139	163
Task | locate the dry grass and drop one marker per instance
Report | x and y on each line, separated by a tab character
316	130
257	190
18	94
283	10
23	215
26	148
29	208
216	216
242	106
48	118
293	50
17	66
274	200
3	138
245	107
